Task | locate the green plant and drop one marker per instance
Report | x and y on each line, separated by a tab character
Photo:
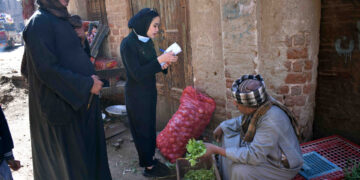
201	174
195	150
354	172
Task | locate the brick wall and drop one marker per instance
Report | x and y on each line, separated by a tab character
288	42
338	90
298	89
118	13
276	38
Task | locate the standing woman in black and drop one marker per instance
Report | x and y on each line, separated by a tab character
141	63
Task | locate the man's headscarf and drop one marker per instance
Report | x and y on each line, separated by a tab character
141	21
57	9
249	90
54	7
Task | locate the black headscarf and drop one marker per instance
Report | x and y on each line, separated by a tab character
141	21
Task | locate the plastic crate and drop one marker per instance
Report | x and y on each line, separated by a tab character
315	166
183	166
337	150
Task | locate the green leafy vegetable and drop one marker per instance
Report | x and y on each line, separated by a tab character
195	150
201	174
354	172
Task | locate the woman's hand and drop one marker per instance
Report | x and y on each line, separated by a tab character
165	66
97	85
218	133
167	58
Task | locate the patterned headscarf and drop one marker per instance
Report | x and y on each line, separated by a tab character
249	90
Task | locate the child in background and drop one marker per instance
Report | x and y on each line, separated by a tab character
6	145
92	33
77	24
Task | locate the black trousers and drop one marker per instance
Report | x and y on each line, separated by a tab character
141	110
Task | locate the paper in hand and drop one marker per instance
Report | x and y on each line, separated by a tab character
175	48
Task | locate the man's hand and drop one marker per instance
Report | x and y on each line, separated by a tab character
213	149
97	85
218	133
14	164
210	149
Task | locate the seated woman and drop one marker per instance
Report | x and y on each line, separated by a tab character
263	142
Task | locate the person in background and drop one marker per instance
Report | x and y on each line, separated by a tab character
6	145
67	132
263	142
92	33
141	63
78	27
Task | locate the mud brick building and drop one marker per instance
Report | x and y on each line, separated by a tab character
308	51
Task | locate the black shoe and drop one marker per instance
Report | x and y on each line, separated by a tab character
162	165
158	170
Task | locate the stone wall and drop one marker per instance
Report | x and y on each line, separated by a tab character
240	43
288	49
207	53
276	38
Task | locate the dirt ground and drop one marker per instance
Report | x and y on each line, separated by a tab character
14	99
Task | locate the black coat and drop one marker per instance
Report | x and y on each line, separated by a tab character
140	61
6	142
67	139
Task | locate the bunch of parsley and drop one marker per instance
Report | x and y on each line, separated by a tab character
195	150
201	174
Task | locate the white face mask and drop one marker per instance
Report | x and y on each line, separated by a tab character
142	38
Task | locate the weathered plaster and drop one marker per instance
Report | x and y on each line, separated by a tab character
206	44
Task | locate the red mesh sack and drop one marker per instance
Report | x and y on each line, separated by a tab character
188	122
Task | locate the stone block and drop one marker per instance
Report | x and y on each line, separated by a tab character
295	79
297	53
288	41
307	88
308	65
283	90
299	40
297	66
295	100
296	90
